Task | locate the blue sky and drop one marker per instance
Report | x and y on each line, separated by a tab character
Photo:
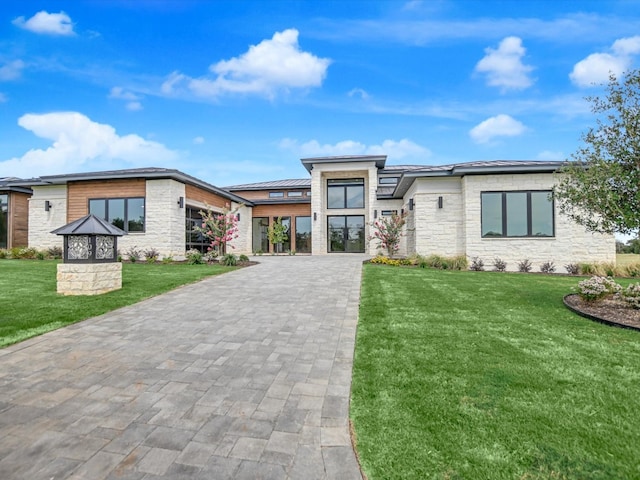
238	91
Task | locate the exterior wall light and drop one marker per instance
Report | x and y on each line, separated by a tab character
375	214
181	202
411	204
315	216
47	205
440	202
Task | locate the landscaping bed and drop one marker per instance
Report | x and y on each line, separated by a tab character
611	311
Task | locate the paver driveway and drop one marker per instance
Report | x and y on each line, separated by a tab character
244	375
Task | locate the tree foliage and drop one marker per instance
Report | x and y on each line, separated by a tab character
388	231
600	187
219	228
277	233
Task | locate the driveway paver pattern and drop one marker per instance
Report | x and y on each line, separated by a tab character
243	375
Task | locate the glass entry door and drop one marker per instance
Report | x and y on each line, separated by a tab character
346	233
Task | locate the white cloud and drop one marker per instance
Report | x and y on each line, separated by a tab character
47	23
11	70
499	126
79	143
198	140
596	68
393	149
273	65
504	68
133	100
359	92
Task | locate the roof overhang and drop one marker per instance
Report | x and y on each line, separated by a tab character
407	178
310	162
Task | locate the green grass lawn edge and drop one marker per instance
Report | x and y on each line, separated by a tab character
30	305
487	375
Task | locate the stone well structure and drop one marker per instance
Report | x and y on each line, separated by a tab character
90	257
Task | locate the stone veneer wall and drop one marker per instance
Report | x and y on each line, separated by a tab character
164	221
438	231
242	244
571	243
319	175
41	223
89	278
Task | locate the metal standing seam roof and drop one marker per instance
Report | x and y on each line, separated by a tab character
293	183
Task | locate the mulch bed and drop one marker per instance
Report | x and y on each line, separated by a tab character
609	311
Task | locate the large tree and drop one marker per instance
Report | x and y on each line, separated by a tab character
600	187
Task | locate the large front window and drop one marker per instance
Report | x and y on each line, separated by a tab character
346	233
260	227
195	240
125	213
517	214
4	221
303	234
345	193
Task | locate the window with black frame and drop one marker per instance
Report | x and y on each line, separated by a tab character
195	240
517	214
4	221
125	213
345	193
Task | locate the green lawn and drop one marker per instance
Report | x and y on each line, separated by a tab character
482	375
29	304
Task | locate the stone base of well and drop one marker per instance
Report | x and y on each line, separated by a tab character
89	278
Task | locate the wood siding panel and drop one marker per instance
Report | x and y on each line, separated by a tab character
264	194
79	193
199	195
287	210
19	220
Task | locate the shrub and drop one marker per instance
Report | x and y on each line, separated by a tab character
633	270
524	266
210	256
459	262
194	257
23	252
167	259
631	295
547	267
499	265
597	287
134	254
243	258
41	255
382	260
572	268
258	252
4	253
477	264
55	252
588	269
151	255
229	259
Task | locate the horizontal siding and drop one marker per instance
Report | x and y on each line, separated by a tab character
79	193
199	195
290	210
19	220
264	194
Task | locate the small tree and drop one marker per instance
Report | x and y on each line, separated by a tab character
600	189
388	232
277	233
219	228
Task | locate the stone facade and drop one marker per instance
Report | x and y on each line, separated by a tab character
41	222
89	278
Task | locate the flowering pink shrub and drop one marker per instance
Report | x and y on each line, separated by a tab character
388	231
219	228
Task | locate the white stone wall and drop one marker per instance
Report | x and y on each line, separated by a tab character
571	243
164	221
242	244
41	223
319	176
88	278
438	231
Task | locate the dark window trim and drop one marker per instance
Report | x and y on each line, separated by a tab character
364	226
388	213
388	180
126	210
529	211
345	183
295	193
276	194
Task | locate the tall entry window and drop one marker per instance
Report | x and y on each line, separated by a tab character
4	221
194	239
345	193
346	233
260	242
303	234
125	213
517	214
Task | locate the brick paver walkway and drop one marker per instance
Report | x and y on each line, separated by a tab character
245	375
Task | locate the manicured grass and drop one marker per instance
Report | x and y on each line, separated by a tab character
474	375
29	304
627	258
